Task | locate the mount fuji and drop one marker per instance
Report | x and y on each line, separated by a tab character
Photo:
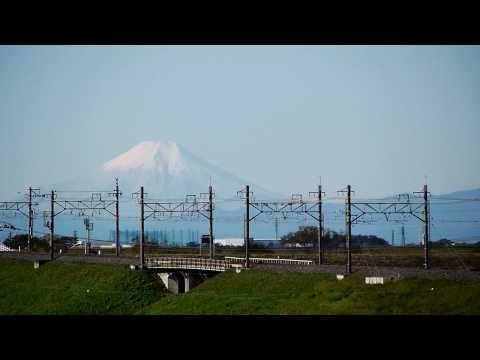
165	169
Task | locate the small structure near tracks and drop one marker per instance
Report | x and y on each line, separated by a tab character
375	280
237	267
37	263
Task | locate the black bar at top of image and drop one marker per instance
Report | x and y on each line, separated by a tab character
322	28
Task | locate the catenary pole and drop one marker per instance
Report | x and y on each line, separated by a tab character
30	220
426	234
142	229
210	221
117	220
52	222
349	231
247	225
320	226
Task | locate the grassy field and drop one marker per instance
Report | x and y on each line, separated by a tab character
69	288
255	292
63	288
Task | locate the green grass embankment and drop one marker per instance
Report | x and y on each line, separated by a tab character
68	288
255	292
73	288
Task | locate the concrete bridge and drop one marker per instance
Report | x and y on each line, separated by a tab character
179	275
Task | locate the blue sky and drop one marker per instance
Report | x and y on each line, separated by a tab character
377	117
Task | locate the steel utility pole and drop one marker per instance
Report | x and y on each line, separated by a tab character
30	219
393	237
85	221
52	220
276	229
349	230
247	229
117	219
88	228
320	226
142	229
426	235
210	221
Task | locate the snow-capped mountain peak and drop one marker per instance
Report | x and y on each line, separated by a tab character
159	156
165	169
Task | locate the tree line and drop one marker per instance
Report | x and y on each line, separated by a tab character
39	243
307	236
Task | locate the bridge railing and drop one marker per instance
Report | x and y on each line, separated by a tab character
231	259
186	263
213	264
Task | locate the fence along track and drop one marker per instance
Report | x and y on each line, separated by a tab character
186	263
231	259
212	264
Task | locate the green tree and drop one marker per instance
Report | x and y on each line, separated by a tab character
22	241
308	235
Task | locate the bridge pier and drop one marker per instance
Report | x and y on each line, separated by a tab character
186	281
179	282
179	275
174	282
164	278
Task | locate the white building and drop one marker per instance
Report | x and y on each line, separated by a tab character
230	241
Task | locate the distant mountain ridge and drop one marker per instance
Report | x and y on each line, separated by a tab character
463	194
